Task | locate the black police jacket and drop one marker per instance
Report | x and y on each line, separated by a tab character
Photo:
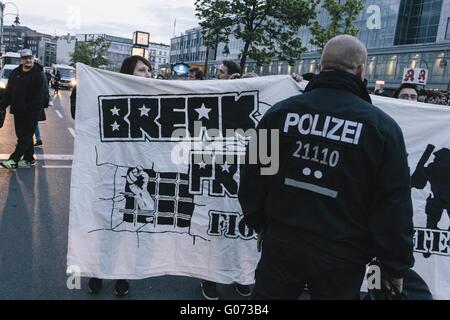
343	184
26	92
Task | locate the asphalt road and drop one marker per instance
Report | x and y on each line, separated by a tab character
34	218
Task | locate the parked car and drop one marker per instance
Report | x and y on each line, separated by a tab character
4	77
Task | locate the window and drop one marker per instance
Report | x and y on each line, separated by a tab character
447	32
418	21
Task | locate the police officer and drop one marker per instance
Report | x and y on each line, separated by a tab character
342	194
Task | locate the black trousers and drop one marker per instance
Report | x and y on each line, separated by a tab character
25	128
287	266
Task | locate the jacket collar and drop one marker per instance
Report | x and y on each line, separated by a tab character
340	80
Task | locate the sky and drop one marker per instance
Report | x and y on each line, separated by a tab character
113	17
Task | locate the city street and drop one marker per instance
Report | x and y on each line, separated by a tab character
34	218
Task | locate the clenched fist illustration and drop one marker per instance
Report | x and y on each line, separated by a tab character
138	181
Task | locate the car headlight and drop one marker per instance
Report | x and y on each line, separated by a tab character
73	82
2	85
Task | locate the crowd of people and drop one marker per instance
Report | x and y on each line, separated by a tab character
438	97
320	238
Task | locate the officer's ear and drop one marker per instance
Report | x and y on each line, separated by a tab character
361	72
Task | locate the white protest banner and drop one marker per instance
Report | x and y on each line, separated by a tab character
137	209
426	131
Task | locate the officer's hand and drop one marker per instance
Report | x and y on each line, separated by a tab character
259	237
394	286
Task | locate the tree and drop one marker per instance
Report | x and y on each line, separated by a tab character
92	52
342	18
268	28
216	29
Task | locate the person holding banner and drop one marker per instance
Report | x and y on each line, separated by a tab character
342	194
229	70
140	67
407	92
195	74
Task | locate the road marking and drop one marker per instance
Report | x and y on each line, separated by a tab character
72	132
59	114
47	157
57	167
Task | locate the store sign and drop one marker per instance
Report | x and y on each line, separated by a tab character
181	69
415	76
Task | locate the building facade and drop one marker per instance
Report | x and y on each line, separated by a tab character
120	48
159	55
16	38
189	48
399	34
65	47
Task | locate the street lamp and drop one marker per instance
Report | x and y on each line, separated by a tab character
141	39
142	52
226	50
141	42
3	15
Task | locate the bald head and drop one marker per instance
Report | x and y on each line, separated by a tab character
345	53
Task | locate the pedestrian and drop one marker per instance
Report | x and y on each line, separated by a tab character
56	81
342	194
26	93
140	67
195	74
227	70
407	91
381	92
49	77
37	133
42	117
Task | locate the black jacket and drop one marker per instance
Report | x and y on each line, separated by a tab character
73	102
343	186
26	92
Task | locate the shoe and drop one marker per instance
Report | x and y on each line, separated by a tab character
24	164
95	285
38	143
209	290
243	290
31	163
121	288
9	164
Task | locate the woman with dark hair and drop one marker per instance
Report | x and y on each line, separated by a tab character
406	91
137	66
134	65
140	67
